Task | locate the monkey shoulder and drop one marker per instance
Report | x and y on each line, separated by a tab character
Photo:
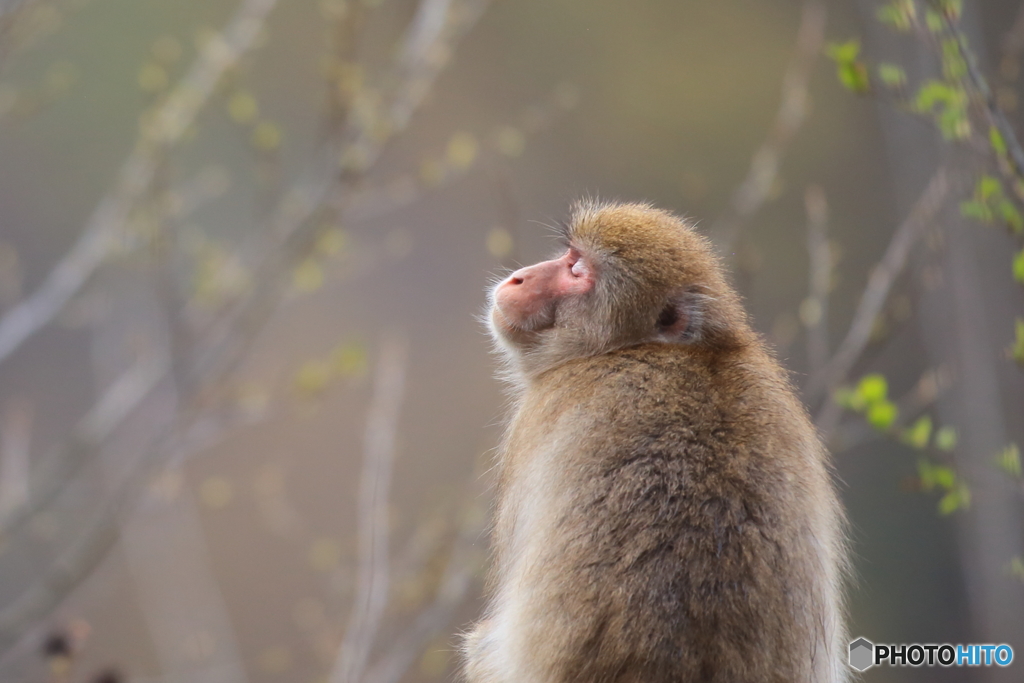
645	386
720	422
690	437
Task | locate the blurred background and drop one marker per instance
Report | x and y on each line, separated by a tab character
247	409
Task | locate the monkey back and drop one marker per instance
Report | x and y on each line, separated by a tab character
680	536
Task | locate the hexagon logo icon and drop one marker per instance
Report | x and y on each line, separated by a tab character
862	654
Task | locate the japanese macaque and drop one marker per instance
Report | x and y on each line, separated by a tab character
665	510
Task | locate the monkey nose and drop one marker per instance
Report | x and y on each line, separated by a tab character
516	278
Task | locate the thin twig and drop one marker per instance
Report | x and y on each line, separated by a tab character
931	386
995	114
820	257
15	447
289	235
373	576
110	217
8	6
455	584
318	186
1012	44
375	200
89	548
764	166
60	467
879	285
195	193
88	435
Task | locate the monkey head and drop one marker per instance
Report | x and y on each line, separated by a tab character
629	274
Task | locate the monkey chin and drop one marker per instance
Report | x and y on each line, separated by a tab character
516	334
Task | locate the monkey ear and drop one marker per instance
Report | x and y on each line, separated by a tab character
686	318
676	321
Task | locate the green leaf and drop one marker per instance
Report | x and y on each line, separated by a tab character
934	92
308	276
945	438
944	477
872	388
848	398
852	73
948	103
899	14
949	503
266	136
891	16
1018	266
882	414
918	434
350	359
1016	568
313	377
1008	460
953	65
995	138
952	8
925	472
892	76
954	123
989	187
976	210
957	499
854	76
990	198
843	52
243	108
935	476
331	241
1011	215
933	20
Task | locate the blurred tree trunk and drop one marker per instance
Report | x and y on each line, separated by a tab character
161	537
965	318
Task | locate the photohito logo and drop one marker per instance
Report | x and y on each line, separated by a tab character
864	654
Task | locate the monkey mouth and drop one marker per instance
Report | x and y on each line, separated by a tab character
520	331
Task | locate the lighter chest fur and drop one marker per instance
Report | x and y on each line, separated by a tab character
532	472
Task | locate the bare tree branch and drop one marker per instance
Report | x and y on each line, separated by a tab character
996	117
764	166
285	243
375	200
289	234
60	467
122	397
877	291
455	583
7	6
820	277
1013	42
15	447
371	594
109	219
91	546
930	386
58	580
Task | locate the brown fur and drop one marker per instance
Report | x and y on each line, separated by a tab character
664	510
